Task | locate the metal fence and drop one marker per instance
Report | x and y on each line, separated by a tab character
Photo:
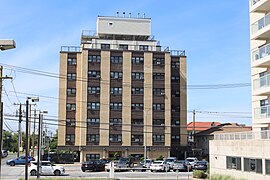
243	135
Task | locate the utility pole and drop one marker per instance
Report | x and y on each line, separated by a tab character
26	140
34	134
193	128
20	131
39	144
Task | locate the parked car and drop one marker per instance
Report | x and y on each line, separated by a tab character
19	161
180	165
201	165
93	165
125	163
191	161
170	161
4	153
159	166
146	163
47	168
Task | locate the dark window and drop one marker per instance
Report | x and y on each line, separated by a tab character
116	106
253	165
70	138
94	58
92	138
137	60
116	75
159	91
136	107
136	138
71	76
176	93
72	61
175	79
143	47
71	91
137	121
264	102
116	91
158	122
175	122
158	61
115	137
115	121
93	106
93	90
175	108
93	121
105	46
117	59
123	47
137	91
159	107
158	138
158	76
137	75
233	163
175	137
71	107
175	64
70	122
267	166
92	157
94	74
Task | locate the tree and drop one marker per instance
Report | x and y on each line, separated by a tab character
54	141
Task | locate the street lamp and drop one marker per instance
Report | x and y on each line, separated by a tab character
4	45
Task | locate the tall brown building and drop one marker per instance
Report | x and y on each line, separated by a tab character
122	92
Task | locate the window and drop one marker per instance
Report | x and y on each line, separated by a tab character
115	121
93	106
93	90
158	76
158	61
116	91
233	163
158	138
116	75
92	157
175	122
94	74
267	166
116	59
93	121
70	122
175	64
264	102
253	165
71	76
70	138
116	106
176	137
137	138
105	46
143	47
137	107
175	108
159	107
92	138
158	122
137	60
71	107
137	75
115	138
137	91
71	91
159	91
176	93
72	61
175	79
94	58
137	121
123	47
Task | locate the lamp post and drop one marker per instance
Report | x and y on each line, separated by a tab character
145	138
4	45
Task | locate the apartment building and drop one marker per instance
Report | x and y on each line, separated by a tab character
122	93
247	155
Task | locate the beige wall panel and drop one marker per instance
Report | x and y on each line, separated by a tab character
183	99
104	98
81	98
126	100
148	86
62	100
167	99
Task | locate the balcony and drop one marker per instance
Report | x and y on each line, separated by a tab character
260	29
259	6
249	135
261	86
261	56
262	114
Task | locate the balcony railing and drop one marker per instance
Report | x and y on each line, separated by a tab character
261	82
261	23
253	2
71	48
262	112
249	135
261	52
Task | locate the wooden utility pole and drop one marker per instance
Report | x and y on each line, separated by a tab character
34	134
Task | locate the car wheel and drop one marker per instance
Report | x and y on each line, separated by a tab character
83	170
12	163
95	169
33	173
107	170
174	170
151	170
57	173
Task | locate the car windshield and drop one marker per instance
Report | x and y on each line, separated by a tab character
190	160
201	162
123	160
157	162
169	160
180	162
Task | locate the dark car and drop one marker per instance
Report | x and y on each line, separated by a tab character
4	153
93	165
201	165
125	163
19	161
180	165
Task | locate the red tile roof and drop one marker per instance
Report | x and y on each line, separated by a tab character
201	126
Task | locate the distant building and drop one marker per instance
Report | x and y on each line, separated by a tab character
122	93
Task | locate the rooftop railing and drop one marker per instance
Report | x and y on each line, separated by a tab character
262	112
261	82
261	52
71	48
261	23
249	135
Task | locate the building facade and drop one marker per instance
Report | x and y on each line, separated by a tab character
122	93
246	155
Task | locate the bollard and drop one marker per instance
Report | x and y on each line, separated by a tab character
111	170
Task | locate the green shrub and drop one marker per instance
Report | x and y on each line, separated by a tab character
222	177
160	158
199	174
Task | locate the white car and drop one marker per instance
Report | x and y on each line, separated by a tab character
159	166
47	168
191	161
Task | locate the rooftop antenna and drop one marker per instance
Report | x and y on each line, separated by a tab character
124	14
138	15
117	14
130	15
143	15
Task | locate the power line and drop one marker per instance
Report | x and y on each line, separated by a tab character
15	91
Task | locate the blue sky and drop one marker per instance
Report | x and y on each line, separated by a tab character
215	35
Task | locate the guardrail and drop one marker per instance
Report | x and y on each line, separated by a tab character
261	52
261	82
261	23
262	112
249	135
71	48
